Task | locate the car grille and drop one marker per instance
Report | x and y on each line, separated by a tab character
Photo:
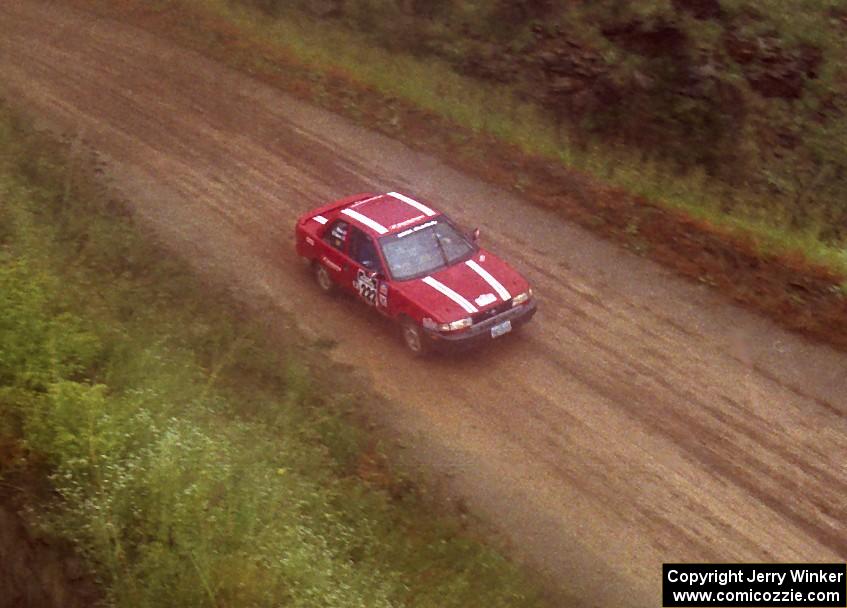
491	312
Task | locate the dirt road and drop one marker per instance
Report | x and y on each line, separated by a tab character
639	419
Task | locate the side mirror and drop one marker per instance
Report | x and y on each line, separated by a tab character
475	236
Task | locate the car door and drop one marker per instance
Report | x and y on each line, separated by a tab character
367	274
334	256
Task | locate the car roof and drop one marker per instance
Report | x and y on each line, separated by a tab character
388	213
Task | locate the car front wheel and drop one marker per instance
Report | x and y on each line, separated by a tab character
413	337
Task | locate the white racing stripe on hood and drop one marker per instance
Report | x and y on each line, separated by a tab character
373	225
495	284
439	286
412	202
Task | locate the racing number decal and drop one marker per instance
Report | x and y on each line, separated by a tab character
366	286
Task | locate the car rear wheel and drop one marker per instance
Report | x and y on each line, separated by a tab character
413	338
323	279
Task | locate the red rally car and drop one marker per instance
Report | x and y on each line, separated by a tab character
412	264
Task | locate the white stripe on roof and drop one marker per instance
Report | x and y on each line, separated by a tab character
410	201
495	284
365	220
320	219
439	286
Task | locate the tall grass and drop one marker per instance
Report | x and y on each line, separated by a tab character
192	464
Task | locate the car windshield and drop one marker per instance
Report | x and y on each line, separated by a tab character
424	248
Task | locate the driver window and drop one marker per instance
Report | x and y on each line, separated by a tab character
363	250
336	234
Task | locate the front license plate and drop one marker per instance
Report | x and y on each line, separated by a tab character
501	328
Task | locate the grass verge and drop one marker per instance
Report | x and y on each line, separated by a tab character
188	461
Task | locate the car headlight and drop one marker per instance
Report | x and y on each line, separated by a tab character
456	325
521	298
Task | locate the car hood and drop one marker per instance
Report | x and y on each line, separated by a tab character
465	289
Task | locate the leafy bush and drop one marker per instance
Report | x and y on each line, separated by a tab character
38	348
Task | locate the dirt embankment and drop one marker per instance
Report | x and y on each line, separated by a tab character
38	573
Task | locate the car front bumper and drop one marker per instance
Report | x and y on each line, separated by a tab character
481	332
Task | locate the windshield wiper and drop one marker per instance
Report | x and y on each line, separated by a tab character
441	248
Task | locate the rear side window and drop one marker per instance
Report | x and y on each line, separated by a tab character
363	249
336	234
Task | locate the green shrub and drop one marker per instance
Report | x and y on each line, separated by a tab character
38	347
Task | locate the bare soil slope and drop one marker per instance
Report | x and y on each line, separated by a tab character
639	419
36	574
